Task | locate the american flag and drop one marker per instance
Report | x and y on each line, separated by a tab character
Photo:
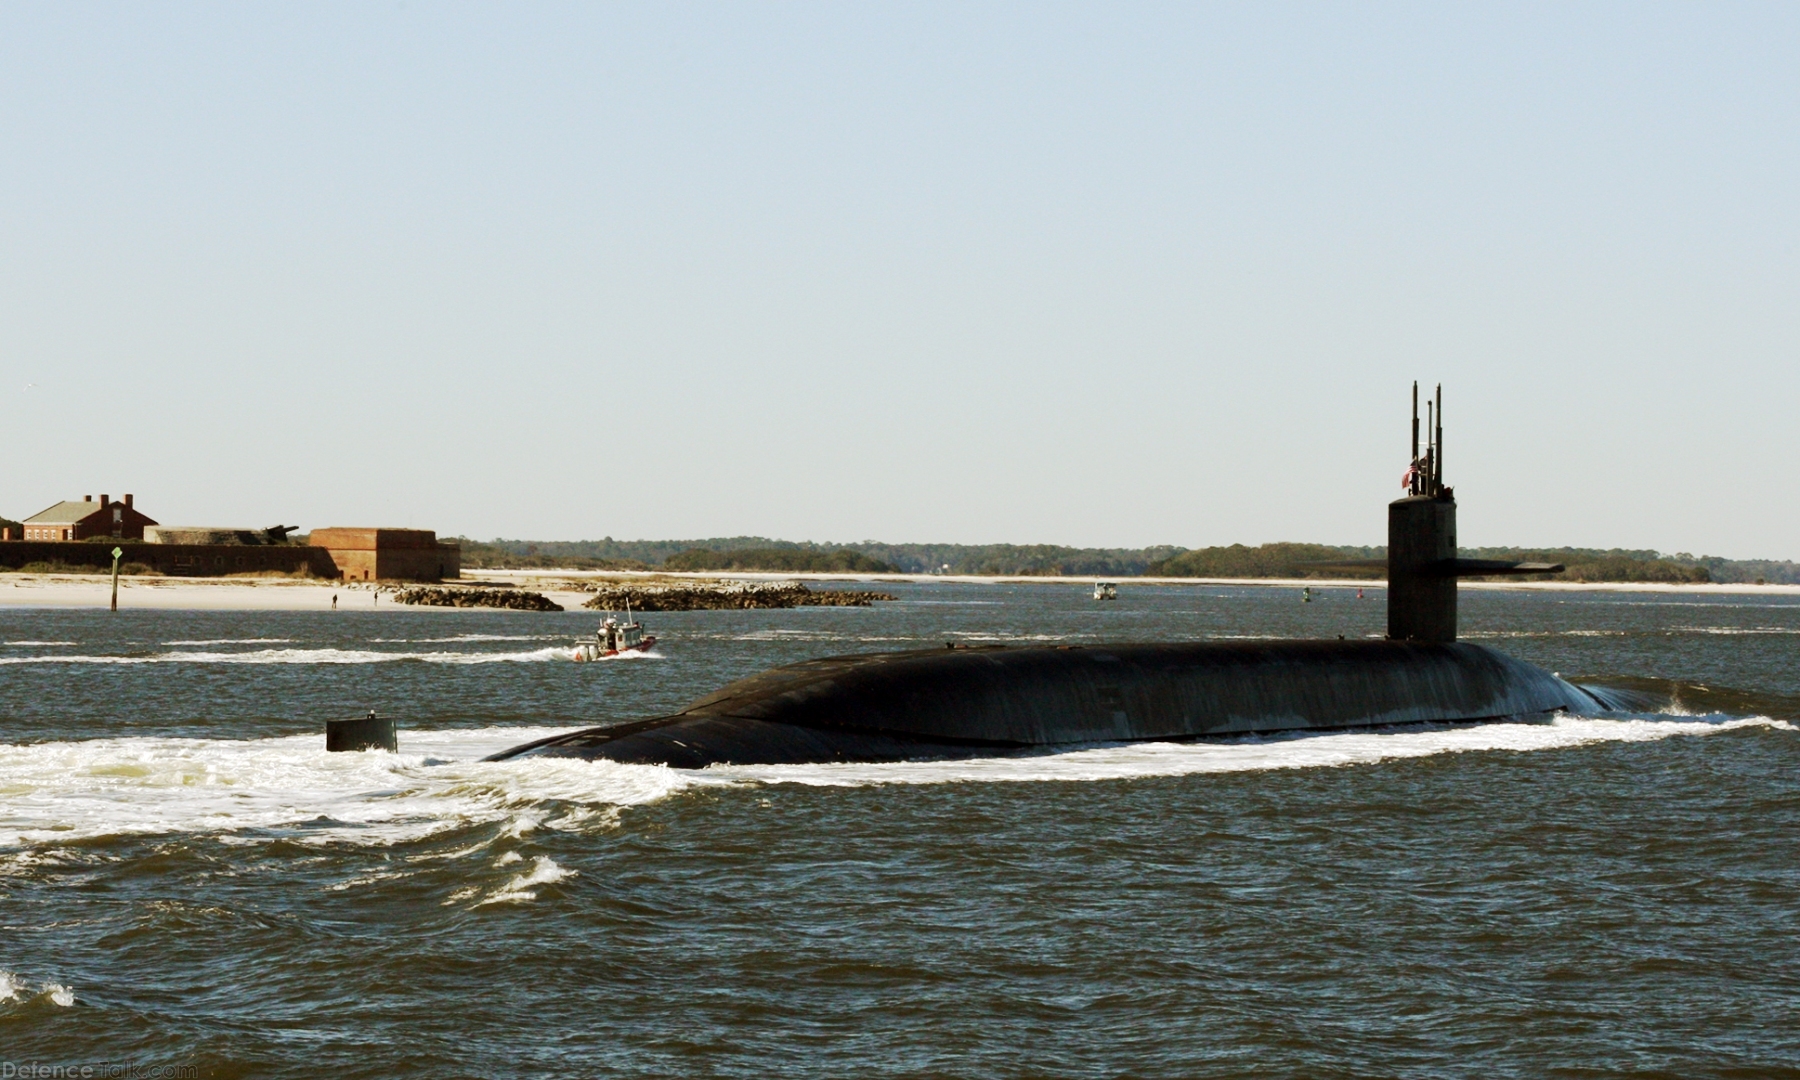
1406	478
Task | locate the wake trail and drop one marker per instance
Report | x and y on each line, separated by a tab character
289	788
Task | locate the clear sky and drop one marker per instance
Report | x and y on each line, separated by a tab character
1099	274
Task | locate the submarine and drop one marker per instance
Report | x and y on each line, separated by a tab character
966	701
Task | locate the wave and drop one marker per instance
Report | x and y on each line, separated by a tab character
544	871
1733	631
1715	601
255	791
1495	635
1662	631
815	635
289	788
952	603
1300	750
456	640
39	643
305	656
13	988
236	641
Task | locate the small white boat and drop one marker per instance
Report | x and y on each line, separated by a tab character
1105	590
614	637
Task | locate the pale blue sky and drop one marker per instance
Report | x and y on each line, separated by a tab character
1100	275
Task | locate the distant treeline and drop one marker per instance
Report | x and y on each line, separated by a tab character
1267	561
987	559
1616	564
523	555
789	560
1748	571
1621	564
1282	560
1023	560
1582	564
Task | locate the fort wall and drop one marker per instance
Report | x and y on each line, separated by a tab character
176	560
351	554
390	554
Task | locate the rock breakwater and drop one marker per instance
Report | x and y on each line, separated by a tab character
512	599
725	596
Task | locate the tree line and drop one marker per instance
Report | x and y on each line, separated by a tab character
1275	560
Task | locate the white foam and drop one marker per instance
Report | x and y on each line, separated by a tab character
1727	631
1489	635
819	635
634	654
249	791
544	871
953	603
245	790
39	643
1734	631
1125	761
13	988
236	641
459	638
304	656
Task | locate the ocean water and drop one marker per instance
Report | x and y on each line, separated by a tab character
187	881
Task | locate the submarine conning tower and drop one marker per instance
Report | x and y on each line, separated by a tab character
1422	564
1422	539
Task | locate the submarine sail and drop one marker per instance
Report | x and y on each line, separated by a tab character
969	701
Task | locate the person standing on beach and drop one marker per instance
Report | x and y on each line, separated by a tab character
334	601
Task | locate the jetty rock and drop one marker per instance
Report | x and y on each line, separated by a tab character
511	599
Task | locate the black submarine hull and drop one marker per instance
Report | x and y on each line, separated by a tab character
980	701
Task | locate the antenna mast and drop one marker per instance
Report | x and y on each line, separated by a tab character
1415	453
1430	450
1437	442
1428	471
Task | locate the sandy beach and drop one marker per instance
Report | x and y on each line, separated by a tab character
281	594
220	594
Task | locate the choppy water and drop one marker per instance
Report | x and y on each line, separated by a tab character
186	879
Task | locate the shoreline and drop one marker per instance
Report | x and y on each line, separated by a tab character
81	591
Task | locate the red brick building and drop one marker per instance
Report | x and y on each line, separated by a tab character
80	520
389	554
